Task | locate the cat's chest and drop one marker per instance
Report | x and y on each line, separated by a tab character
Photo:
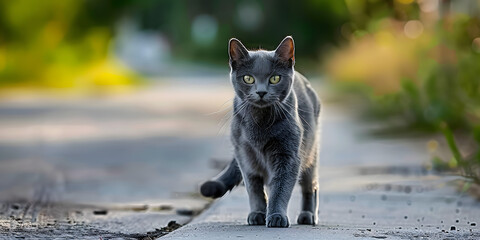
253	135
251	131
256	136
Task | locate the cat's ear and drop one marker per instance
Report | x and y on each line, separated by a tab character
236	51
286	51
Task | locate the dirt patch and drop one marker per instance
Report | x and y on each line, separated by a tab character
84	231
26	220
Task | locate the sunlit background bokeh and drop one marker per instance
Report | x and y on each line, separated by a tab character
414	63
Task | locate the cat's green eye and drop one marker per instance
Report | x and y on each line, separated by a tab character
275	79
248	79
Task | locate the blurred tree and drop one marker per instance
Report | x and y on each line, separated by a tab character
55	41
258	23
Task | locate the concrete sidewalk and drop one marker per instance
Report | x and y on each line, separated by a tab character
370	188
371	214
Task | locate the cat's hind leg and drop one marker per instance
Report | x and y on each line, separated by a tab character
309	184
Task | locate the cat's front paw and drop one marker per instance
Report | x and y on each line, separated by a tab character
306	218
277	220
256	218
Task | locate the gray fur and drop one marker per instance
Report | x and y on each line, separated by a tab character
275	138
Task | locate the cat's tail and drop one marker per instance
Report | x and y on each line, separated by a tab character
225	181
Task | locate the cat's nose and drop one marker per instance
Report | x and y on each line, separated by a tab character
261	93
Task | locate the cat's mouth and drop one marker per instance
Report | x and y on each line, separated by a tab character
261	103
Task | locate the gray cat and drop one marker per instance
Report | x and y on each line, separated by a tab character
274	130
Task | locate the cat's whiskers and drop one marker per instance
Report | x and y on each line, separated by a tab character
226	117
272	110
279	110
285	112
242	107
224	120
298	108
300	116
222	108
301	151
253	118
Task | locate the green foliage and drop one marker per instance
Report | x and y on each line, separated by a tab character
469	166
441	94
59	42
447	98
49	43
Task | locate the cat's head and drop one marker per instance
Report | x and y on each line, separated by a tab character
262	77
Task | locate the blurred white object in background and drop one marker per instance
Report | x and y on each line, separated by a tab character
249	16
204	29
145	51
